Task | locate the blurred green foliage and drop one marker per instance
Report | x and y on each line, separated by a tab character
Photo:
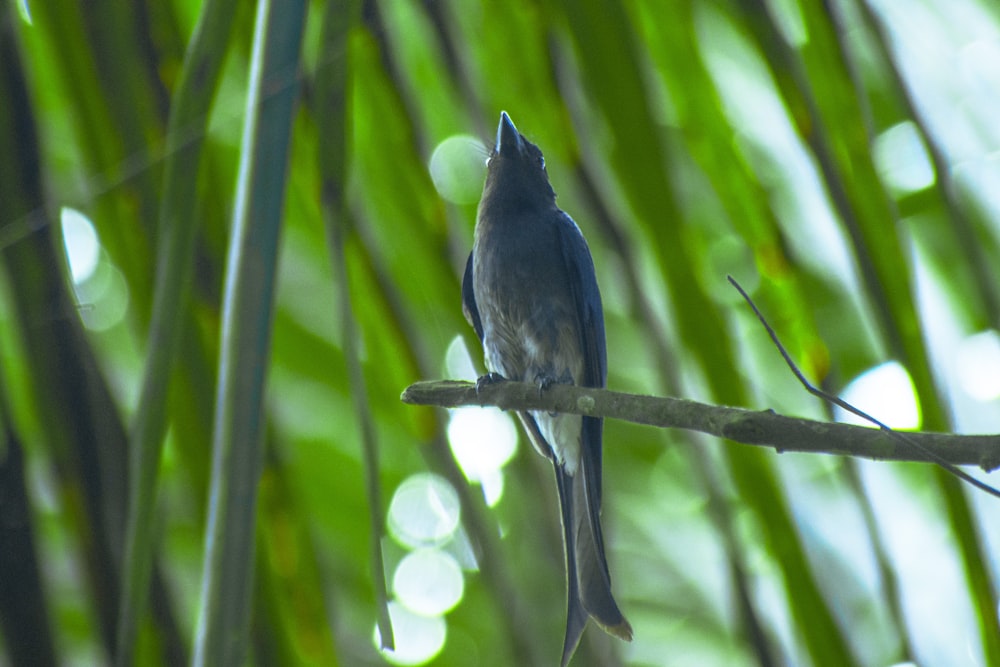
690	139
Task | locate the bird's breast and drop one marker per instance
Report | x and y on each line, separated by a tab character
528	308
526	304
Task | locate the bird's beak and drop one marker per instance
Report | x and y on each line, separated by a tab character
508	138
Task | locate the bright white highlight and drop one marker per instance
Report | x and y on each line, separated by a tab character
428	582
424	511
458	362
885	392
483	440
902	158
418	638
457	169
82	249
492	486
103	299
978	365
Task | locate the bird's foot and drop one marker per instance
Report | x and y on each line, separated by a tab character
544	380
489	378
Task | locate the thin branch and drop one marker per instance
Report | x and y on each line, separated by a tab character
762	428
844	405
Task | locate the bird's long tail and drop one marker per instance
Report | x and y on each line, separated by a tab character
588	582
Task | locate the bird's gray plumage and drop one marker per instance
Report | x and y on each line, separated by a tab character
531	295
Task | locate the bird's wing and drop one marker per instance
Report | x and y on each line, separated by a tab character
469	308
583	282
590	327
580	495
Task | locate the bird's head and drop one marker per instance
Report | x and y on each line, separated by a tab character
515	174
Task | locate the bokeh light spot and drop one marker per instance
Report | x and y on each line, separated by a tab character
428	582
978	365
424	511
492	486
418	638
103	302
82	248
458	362
482	440
25	11
885	392
902	158
457	168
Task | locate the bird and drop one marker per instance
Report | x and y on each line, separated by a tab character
530	292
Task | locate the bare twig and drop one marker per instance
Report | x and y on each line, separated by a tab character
908	440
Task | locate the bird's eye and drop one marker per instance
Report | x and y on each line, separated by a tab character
541	162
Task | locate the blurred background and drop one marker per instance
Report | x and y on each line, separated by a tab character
839	159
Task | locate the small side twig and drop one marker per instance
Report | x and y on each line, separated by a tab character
839	402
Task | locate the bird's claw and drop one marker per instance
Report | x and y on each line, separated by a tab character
544	381
489	378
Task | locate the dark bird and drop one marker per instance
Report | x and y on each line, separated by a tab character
531	295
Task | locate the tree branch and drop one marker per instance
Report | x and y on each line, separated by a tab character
763	428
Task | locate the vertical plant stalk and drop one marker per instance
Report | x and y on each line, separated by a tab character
332	119
178	229
79	426
237	442
366	425
24	614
